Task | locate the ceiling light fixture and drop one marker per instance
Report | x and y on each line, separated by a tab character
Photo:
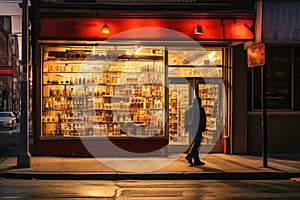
198	29
105	28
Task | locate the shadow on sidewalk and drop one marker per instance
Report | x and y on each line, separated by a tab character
288	156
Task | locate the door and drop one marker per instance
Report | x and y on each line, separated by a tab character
209	90
181	94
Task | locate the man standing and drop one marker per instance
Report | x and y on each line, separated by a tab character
195	124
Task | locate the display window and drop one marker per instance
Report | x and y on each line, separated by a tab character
127	91
195	72
97	91
279	79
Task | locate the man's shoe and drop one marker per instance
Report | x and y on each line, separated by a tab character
189	159
199	163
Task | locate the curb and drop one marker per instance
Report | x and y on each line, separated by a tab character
170	176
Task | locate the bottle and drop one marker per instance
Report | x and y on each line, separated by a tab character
115	129
50	104
90	130
100	79
51	118
71	104
121	119
67	92
135	105
148	103
93	79
46	104
159	103
154	103
135	117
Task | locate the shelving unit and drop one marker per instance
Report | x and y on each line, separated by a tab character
119	98
178	103
209	94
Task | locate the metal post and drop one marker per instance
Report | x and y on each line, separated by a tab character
264	118
24	157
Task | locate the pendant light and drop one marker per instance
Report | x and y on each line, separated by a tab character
198	29
105	28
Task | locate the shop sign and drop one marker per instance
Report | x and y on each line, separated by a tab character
90	28
4	70
256	55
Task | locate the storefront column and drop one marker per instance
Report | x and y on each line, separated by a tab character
239	107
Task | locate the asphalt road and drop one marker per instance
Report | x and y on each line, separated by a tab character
146	189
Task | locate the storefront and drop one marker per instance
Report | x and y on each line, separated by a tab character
127	91
280	34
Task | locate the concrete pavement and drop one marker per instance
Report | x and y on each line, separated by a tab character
174	166
217	166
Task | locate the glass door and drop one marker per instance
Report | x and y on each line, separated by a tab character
178	103
211	95
181	94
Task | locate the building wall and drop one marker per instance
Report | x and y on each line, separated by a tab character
239	106
3	45
283	134
6	83
283	105
280	33
16	92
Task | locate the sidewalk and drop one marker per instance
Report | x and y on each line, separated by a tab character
218	166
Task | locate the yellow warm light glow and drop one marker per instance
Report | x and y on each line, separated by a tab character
105	29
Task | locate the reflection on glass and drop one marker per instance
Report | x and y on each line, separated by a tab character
195	57
195	71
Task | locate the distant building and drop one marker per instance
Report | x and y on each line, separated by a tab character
9	67
17	69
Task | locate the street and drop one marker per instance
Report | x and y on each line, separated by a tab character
141	189
150	189
9	138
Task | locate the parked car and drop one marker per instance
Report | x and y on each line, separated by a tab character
18	115
8	120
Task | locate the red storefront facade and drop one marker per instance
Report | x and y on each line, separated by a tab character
89	86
